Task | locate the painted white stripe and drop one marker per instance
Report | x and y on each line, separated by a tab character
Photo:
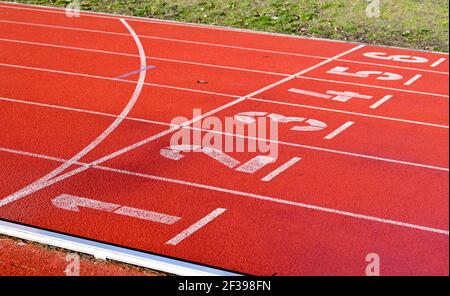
412	80
115	79
380	102
438	62
50	181
239	193
339	130
134	55
351	113
309	93
281	169
37	185
195	227
375	86
255	164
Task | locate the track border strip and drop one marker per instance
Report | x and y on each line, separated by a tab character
42	8
107	251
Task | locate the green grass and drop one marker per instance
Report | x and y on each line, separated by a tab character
420	24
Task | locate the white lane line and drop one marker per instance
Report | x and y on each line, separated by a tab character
349	112
252	99
414	79
38	184
255	138
50	181
396	67
375	86
438	62
195	227
281	169
148	57
381	101
244	194
115	79
339	130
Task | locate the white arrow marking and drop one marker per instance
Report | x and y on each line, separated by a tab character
72	203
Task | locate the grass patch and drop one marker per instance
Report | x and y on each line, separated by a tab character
419	24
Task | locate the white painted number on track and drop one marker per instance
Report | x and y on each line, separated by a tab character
250	167
72	203
413	79
365	74
395	58
312	124
339	96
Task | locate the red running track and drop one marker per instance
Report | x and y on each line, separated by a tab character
373	178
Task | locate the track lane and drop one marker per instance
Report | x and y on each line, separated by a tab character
380	191
414	107
340	244
99	95
368	136
165	49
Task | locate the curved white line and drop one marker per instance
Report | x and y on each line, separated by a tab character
39	184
